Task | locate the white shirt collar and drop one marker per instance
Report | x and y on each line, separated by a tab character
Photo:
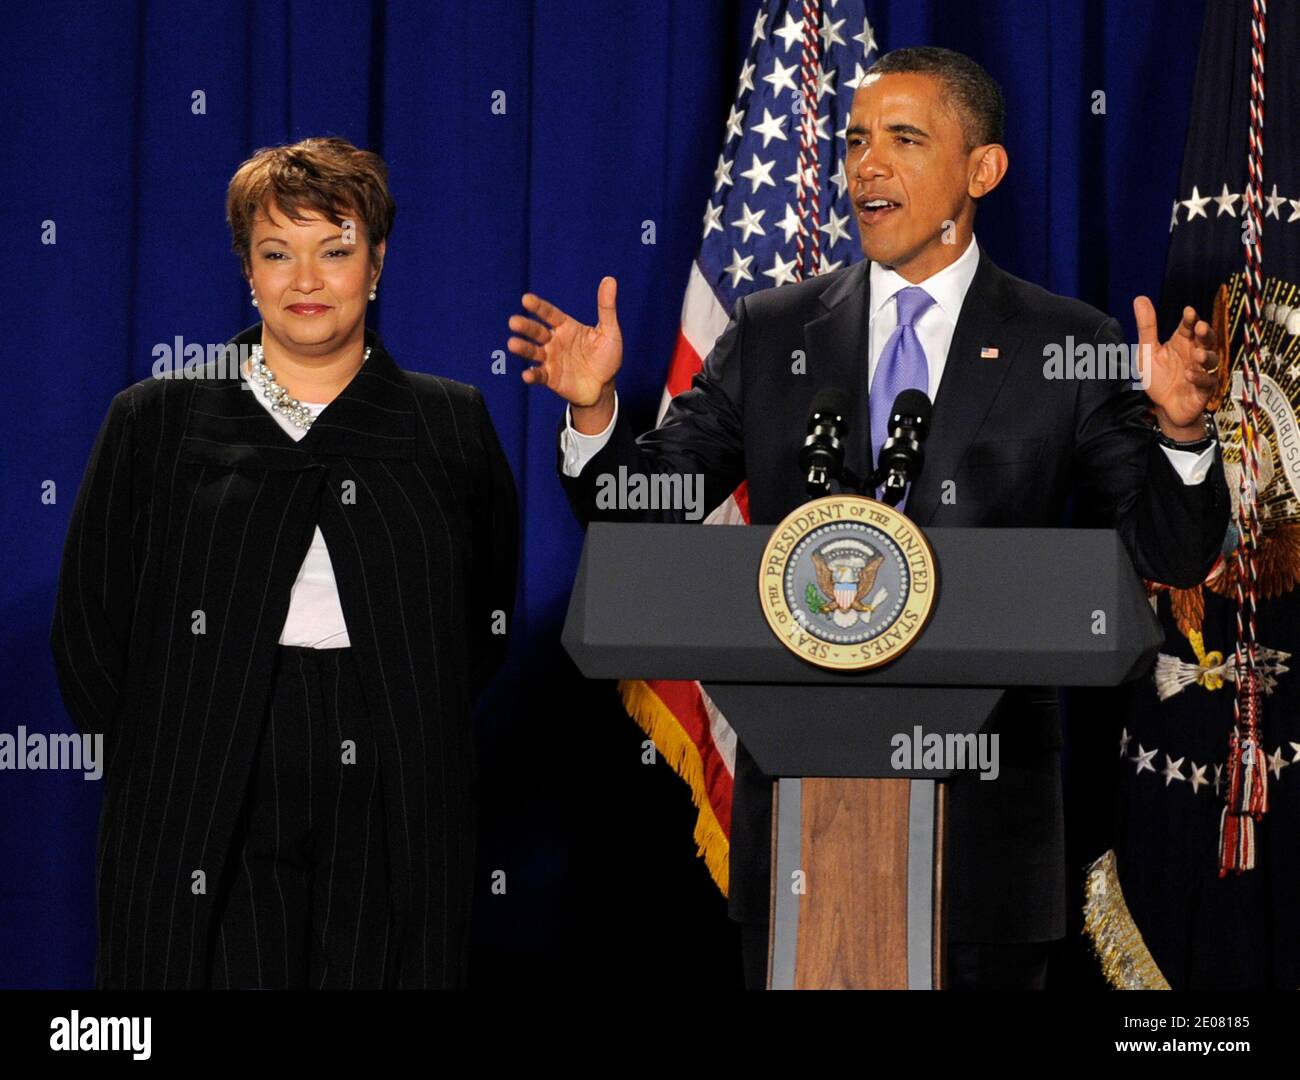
948	286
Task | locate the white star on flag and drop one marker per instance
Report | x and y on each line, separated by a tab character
1143	759
734	119
749	222
771	127
781	77
1172	771
1274	201
1225	202
830	32
781	272
722	174
791	32
759	173
739	268
1196	204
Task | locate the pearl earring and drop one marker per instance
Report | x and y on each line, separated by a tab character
372	294
253	295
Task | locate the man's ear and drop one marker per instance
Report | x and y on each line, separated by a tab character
988	167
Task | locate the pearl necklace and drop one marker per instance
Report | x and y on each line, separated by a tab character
294	410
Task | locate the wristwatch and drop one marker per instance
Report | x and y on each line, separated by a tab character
1210	437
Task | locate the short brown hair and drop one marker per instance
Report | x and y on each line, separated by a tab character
325	174
973	92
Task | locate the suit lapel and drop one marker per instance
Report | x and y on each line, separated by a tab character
373	417
835	341
969	385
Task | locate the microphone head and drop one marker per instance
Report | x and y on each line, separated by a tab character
831	399
914	403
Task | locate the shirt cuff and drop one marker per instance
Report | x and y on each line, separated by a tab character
1192	467
577	448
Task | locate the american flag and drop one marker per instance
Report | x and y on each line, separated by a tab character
778	212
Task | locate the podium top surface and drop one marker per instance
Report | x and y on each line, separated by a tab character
1015	607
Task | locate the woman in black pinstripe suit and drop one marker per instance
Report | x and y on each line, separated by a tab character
280	591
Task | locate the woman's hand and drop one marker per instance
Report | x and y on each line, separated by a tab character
577	361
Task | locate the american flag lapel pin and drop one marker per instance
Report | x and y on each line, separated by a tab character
989	352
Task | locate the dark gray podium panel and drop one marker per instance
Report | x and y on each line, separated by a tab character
1016	607
851	730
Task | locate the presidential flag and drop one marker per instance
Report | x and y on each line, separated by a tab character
778	212
1201	888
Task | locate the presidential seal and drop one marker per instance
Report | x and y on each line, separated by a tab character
847	582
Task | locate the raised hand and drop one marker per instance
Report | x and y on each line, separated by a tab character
1183	375
577	361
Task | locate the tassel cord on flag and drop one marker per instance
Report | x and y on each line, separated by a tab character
1246	797
809	256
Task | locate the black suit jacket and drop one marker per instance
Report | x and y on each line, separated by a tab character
195	500
1016	447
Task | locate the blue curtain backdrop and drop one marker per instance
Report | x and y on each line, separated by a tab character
614	113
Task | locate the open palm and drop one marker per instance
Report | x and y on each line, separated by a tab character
1181	379
575	360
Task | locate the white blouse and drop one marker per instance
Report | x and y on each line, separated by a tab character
315	619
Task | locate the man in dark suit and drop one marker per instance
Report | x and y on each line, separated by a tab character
1010	444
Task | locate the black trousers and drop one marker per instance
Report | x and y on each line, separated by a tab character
972	965
304	902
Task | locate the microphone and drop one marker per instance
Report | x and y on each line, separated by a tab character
901	456
822	456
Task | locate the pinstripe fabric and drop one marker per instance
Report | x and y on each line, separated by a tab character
306	902
190	525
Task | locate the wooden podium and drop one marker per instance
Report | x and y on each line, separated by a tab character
1016	607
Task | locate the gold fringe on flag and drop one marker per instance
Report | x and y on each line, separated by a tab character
658	722
1125	959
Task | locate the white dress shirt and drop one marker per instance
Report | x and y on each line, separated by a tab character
315	619
935	328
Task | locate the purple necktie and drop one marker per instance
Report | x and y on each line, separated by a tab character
902	366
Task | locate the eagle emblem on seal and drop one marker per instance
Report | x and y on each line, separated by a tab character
846	572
